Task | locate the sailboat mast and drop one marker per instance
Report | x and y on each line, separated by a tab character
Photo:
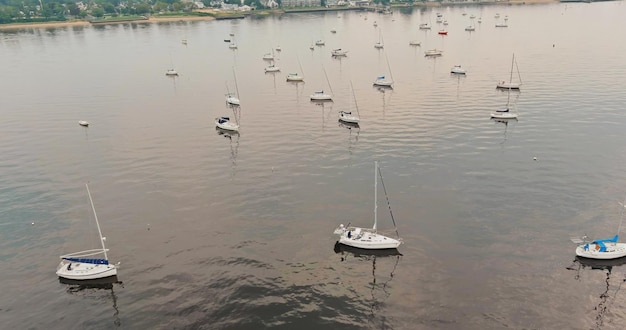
354	96
512	62
621	217
389	67
375	194
236	86
97	223
328	81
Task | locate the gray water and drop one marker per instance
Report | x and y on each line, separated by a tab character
223	231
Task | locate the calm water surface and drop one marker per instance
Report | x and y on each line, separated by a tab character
224	231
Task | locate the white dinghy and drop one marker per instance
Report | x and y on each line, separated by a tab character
82	265
608	248
368	238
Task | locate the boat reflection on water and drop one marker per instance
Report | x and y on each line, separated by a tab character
233	137
606	298
380	285
505	122
87	288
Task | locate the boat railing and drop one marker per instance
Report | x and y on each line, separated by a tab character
85	253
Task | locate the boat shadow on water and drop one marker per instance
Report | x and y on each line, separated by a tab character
87	288
608	295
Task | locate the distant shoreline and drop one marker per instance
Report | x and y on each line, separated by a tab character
153	19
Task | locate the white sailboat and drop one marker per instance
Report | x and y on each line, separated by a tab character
607	248
379	44
81	265
505	113
321	95
457	69
510	84
383	81
368	238
83	123
348	116
295	77
338	52
233	99
272	68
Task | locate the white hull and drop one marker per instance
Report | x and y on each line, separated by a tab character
339	52
321	97
613	251
415	43
457	70
365	238
503	115
506	85
272	69
83	123
348	118
383	83
433	52
84	271
294	77
226	125
171	73
232	100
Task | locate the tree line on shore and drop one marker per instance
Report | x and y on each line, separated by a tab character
30	11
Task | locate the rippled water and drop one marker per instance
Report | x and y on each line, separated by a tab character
235	231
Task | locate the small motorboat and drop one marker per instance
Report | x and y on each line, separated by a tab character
83	123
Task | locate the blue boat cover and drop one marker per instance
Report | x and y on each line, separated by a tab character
600	243
89	261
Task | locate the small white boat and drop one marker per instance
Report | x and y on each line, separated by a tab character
83	123
470	28
502	25
424	26
379	45
608	248
320	43
272	68
367	238
321	96
480	20
375	24
333	30
232	99
278	49
445	22
457	69
433	52
232	45
184	41
171	72
294	77
348	117
414	43
226	124
382	81
268	56
472	16
81	265
503	114
339	52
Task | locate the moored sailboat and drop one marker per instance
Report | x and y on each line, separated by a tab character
82	265
368	238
